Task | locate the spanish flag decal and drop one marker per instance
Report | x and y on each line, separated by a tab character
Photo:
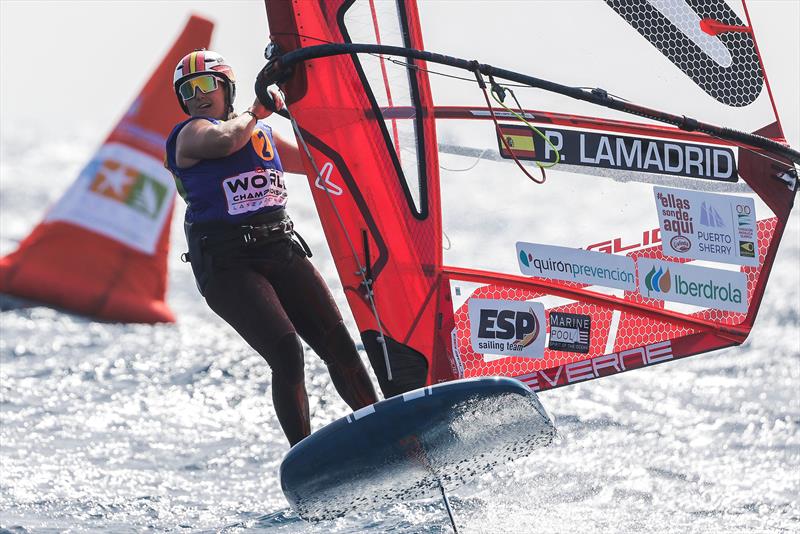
520	139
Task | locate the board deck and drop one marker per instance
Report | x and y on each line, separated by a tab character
404	447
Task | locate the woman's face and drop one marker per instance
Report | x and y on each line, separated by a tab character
211	104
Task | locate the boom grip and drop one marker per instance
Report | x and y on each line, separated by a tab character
263	95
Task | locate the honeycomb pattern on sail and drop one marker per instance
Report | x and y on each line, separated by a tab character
725	66
632	331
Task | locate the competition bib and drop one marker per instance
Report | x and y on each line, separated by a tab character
253	190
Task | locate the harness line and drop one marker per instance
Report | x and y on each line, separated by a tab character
362	270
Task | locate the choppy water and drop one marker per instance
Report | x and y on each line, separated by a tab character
131	428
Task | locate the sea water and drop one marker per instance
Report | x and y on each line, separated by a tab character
135	428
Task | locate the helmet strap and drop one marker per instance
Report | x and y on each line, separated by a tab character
228	99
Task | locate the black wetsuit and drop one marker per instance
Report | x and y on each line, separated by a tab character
268	290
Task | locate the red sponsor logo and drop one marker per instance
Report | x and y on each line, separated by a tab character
680	243
617	245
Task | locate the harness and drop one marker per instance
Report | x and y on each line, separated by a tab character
239	238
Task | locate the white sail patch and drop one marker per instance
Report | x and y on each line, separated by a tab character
507	327
576	265
688	284
707	226
686	19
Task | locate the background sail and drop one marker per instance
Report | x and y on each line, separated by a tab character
414	157
102	248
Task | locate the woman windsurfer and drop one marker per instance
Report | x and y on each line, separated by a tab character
248	266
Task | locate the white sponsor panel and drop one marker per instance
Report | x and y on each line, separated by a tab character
122	193
707	226
689	284
507	327
576	265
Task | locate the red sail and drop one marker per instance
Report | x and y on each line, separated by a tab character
377	136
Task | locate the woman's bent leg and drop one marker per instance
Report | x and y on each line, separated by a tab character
314	313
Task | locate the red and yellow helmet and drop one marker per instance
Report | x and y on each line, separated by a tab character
202	62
